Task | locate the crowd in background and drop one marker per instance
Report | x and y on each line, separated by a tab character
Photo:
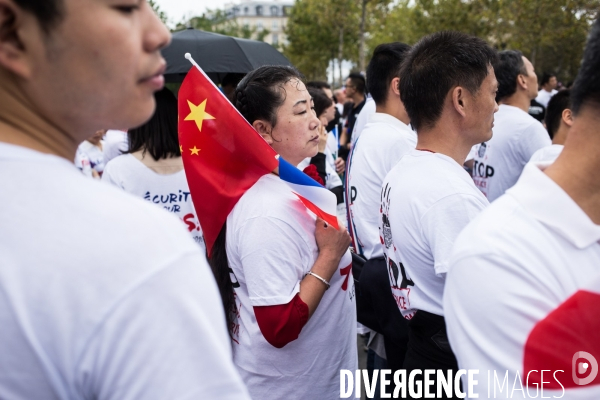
468	230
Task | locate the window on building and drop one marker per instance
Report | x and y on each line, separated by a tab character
274	11
275	25
259	10
246	10
275	39
285	10
246	24
259	25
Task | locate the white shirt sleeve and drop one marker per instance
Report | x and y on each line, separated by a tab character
271	256
535	138
165	339
442	223
108	176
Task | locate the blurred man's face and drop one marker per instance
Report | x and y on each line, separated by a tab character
350	89
552	83
531	79
328	92
99	67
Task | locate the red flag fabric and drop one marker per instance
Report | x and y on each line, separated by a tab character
222	153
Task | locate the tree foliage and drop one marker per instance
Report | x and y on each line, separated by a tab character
160	13
315	30
216	21
551	33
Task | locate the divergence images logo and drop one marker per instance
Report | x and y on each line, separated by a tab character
580	368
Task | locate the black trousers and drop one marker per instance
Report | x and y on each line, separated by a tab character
377	310
428	347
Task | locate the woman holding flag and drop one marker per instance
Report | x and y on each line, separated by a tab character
294	322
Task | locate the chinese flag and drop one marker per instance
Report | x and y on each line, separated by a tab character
223	155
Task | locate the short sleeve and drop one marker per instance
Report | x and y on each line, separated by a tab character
532	140
165	339
109	176
273	258
442	223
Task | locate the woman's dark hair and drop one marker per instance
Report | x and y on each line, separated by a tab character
320	99
261	92
158	136
435	65
258	96
48	12
508	68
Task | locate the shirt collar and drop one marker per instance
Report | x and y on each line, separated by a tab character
548	203
387	119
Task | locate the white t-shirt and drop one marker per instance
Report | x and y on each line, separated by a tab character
363	117
170	192
544	97
523	289
115	144
547	154
426	200
89	157
384	140
102	295
271	246
500	161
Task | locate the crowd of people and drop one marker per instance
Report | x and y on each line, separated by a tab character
468	210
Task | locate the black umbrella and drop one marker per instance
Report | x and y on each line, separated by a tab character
218	55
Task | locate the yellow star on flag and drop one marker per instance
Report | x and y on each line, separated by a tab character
180	149
195	151
198	113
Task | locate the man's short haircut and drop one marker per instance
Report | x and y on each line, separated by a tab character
557	104
48	12
318	85
358	81
507	69
383	67
434	66
586	88
546	78
320	99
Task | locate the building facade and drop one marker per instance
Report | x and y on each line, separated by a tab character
262	15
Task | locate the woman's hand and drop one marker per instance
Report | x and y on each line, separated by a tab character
340	165
332	244
322	139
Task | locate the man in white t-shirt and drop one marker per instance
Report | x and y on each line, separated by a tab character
384	140
548	89
559	119
523	288
103	296
363	117
448	88
498	162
